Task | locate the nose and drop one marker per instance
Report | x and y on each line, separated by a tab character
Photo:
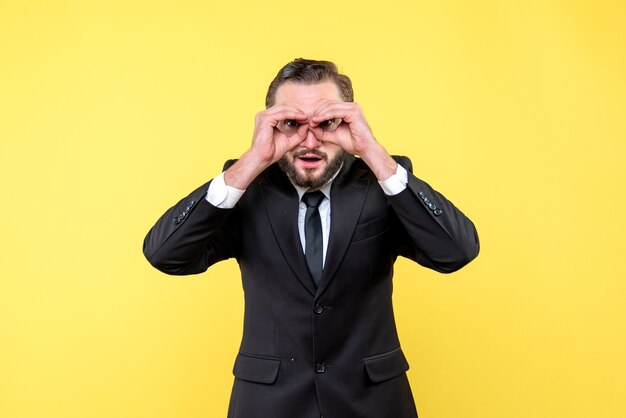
310	141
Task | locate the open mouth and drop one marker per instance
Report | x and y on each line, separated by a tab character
310	160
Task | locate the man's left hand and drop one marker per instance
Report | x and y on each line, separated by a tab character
354	135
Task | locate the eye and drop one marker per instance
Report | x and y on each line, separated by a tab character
288	126
326	123
330	124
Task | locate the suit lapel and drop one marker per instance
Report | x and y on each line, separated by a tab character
281	204
347	198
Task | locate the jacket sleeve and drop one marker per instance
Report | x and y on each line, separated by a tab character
438	235
192	235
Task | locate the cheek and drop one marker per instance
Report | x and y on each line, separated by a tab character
332	151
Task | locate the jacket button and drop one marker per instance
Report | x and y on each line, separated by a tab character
320	368
318	309
437	212
176	221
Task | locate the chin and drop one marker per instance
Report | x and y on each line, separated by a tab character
310	175
312	178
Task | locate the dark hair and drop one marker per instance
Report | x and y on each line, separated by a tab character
305	71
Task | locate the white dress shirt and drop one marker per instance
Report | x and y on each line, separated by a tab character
224	196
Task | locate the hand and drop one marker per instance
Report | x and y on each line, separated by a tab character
353	134
269	143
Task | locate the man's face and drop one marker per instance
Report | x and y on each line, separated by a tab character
313	162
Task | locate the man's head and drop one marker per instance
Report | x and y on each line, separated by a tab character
308	85
302	71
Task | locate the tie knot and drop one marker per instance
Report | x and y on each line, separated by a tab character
313	199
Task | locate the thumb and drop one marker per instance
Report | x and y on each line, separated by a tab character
302	131
323	135
296	139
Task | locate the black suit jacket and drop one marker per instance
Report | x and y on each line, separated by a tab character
331	350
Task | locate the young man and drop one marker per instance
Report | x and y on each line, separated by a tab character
316	231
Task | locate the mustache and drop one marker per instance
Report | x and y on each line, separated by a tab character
317	152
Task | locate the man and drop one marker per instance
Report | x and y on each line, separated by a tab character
319	333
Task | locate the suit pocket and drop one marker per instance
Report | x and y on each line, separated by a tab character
256	369
369	229
386	366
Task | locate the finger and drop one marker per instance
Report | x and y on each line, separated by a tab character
299	117
345	111
292	126
302	131
325	136
293	141
328	125
296	134
280	108
283	112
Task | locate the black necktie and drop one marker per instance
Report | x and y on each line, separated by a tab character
313	234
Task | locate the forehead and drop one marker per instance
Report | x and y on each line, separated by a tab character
307	97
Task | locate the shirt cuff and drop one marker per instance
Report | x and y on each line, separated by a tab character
396	183
221	195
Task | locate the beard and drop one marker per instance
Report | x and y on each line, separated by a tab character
308	179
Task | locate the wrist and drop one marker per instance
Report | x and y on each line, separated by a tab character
380	162
245	170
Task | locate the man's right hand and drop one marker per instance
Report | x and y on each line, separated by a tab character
269	144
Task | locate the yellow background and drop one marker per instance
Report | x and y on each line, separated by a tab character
110	111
